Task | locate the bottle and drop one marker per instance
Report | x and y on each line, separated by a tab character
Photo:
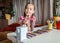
21	32
18	35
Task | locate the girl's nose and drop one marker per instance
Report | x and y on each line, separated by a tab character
28	10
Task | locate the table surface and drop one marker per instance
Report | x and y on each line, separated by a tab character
51	37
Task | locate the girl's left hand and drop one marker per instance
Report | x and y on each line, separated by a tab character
27	22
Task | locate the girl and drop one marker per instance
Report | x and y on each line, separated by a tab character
28	16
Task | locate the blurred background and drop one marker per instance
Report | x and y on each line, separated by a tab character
44	9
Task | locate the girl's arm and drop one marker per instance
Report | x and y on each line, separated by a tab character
34	20
27	22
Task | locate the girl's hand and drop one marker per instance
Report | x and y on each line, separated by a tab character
26	22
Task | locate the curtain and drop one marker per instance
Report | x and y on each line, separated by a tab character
46	11
54	7
42	9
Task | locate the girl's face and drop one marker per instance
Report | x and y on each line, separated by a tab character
29	10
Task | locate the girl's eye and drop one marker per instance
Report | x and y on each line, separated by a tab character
30	9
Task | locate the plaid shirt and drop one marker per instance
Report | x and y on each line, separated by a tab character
21	18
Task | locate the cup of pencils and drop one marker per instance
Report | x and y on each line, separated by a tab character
50	24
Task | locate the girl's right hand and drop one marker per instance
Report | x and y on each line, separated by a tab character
26	22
